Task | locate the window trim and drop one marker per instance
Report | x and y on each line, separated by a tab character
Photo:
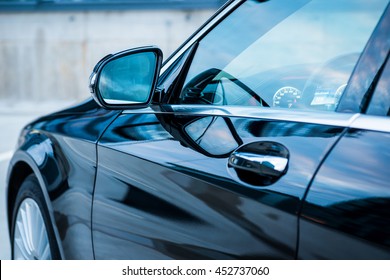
356	96
371	123
375	83
202	31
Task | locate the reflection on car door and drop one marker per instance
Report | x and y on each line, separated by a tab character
212	172
346	212
164	188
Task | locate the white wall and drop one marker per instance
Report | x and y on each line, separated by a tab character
49	56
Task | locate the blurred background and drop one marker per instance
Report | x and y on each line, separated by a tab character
48	49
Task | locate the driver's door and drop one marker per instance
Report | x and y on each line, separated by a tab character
220	166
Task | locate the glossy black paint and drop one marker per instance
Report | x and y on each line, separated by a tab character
233	218
352	185
61	150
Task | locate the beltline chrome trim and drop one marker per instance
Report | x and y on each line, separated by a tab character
369	122
358	121
314	117
199	33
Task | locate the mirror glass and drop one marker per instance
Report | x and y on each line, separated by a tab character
128	79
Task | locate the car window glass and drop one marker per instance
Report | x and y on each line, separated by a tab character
299	55
380	102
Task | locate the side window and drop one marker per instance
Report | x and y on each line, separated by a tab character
297	56
380	102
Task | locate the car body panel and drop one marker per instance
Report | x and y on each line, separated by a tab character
61	150
347	205
161	198
348	202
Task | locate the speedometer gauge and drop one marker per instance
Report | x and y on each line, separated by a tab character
286	97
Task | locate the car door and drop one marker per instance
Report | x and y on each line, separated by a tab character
346	214
218	167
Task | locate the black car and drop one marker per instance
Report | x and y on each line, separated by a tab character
266	135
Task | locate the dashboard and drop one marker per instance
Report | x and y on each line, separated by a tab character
307	86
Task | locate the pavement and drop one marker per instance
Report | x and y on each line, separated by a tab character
13	117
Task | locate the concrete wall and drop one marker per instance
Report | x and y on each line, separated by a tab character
49	56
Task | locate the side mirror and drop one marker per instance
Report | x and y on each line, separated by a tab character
126	80
214	135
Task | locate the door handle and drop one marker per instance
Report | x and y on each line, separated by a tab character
259	163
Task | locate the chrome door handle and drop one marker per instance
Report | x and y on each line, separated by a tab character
259	163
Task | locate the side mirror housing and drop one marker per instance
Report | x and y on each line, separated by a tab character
126	80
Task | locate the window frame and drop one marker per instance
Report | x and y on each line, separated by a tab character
357	94
383	74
